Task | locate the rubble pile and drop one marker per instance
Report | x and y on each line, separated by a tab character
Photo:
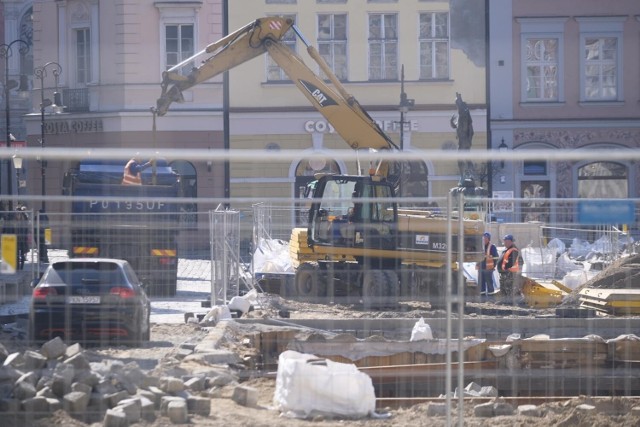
624	273
35	384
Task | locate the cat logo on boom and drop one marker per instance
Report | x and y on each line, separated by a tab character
322	98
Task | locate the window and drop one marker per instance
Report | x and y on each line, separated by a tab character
83	55
383	46
600	68
381	211
81	44
179	45
535	206
178	29
535	167
541	44
274	72
603	180
601	58
434	45
541	66
332	42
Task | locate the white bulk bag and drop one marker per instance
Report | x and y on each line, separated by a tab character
421	331
307	386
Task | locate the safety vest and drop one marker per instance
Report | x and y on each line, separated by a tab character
488	258
129	178
505	260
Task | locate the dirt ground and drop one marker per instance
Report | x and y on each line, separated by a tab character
159	357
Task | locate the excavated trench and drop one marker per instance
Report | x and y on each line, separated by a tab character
530	359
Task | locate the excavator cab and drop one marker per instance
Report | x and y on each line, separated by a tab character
353	211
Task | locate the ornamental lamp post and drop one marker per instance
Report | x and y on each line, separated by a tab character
6	52
502	148
40	73
405	105
17	165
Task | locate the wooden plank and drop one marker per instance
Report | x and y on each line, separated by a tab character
624	350
575	345
399	373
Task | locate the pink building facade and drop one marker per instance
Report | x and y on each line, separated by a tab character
564	75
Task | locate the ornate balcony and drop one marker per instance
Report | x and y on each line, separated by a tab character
76	100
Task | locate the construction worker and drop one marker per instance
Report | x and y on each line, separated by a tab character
509	266
487	266
133	172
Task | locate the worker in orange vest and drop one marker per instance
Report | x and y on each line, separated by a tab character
133	172
510	266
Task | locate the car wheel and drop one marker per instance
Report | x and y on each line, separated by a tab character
137	336
310	286
375	289
135	339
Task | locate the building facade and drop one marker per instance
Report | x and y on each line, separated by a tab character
109	57
431	49
105	59
564	75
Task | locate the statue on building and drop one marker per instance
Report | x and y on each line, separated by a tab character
463	124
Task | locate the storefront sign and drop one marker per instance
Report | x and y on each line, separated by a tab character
322	126
14	144
501	202
57	127
606	212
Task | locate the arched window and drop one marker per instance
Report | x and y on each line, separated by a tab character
603	180
313	166
414	182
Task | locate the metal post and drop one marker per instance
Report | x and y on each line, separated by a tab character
42	160
40	73
5	53
448	296
225	110
460	301
405	104
8	129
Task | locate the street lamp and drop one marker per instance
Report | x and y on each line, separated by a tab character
17	165
405	105
40	73
502	148
5	53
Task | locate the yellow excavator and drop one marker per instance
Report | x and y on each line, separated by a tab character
358	242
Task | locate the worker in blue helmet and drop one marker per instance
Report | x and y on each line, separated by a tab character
510	268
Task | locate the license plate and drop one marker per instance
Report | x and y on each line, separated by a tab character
75	299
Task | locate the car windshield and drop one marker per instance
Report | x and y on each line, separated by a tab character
90	273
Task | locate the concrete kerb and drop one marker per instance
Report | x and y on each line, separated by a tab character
208	349
487	328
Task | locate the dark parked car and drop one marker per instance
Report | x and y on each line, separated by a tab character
90	300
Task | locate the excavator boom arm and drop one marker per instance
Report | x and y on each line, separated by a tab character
234	49
264	35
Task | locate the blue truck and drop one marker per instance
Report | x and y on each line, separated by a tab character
139	223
